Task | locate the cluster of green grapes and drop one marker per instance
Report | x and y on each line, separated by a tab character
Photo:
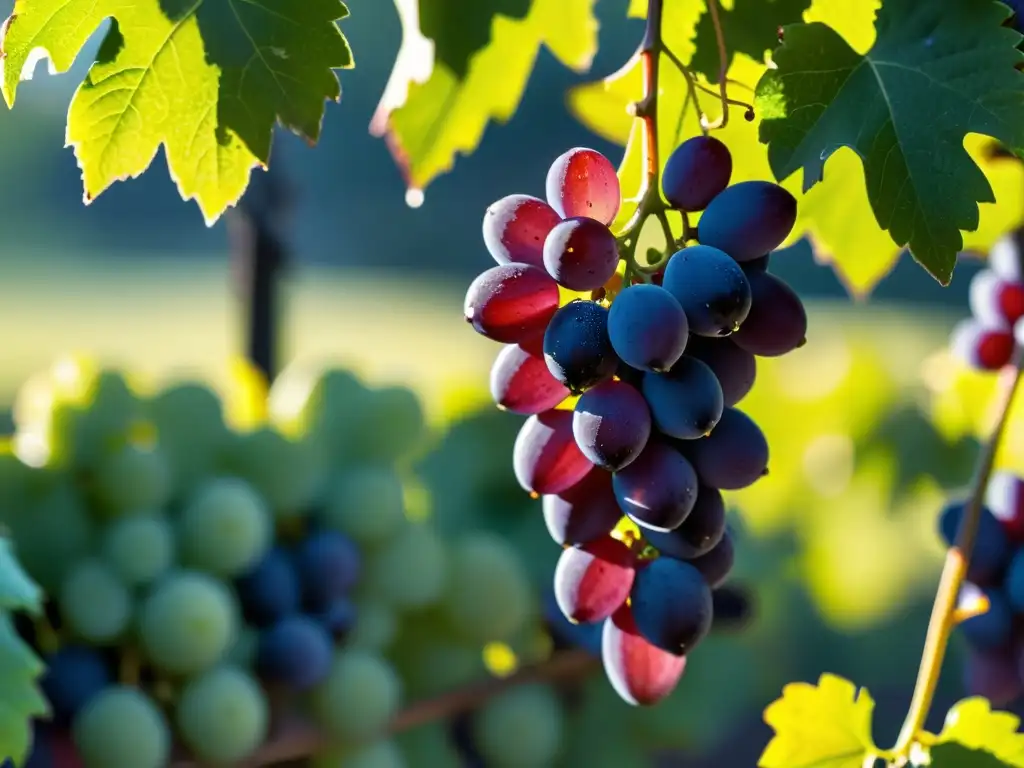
206	585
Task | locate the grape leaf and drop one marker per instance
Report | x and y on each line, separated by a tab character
936	72
749	27
429	114
207	80
958	756
827	725
971	723
20	668
460	28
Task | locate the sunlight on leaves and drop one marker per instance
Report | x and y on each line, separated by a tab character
972	723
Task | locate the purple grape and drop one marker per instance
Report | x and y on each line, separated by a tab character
522	383
583	182
74	674
295	652
716	564
328	564
581	254
577	349
994	675
733	607
611	424
515	228
992	629
338	618
710	287
648	328
686	403
733	456
671	605
696	171
759	264
735	368
658	490
512	302
545	456
584	512
700	532
992	550
777	322
748	219
271	590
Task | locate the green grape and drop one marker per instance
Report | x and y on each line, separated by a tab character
223	715
188	622
367	504
392	426
429	746
94	603
54	531
409	572
359	696
488	595
139	548
377	754
242	652
14	482
134	479
121	728
285	472
226	528
326	407
433	664
520	728
190	424
376	626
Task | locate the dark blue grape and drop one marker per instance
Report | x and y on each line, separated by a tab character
658	490
1014	580
733	607
577	348
710	287
583	513
733	456
759	264
702	529
716	564
777	322
647	327
271	590
686	403
992	550
568	634
338	618
748	219
994	675
735	368
74	674
695	173
994	628
328	565
611	423
296	652
671	605
581	254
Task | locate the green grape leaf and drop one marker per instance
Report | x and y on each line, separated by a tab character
429	114
17	590
207	80
958	756
750	27
460	28
936	72
20	668
827	725
973	724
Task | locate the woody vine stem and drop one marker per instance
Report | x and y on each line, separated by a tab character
298	738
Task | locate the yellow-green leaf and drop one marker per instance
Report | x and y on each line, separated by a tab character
973	724
206	80
827	725
430	114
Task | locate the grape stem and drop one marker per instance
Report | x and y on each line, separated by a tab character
297	738
954	570
723	66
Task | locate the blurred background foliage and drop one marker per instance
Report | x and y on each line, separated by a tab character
871	424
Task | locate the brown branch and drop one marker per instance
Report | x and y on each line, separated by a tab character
296	738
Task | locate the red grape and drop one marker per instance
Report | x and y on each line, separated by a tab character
515	228
980	346
593	580
1005	260
641	673
994	301
511	302
522	383
583	182
584	512
1004	498
545	456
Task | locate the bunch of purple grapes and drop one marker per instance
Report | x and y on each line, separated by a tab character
986	339
631	394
